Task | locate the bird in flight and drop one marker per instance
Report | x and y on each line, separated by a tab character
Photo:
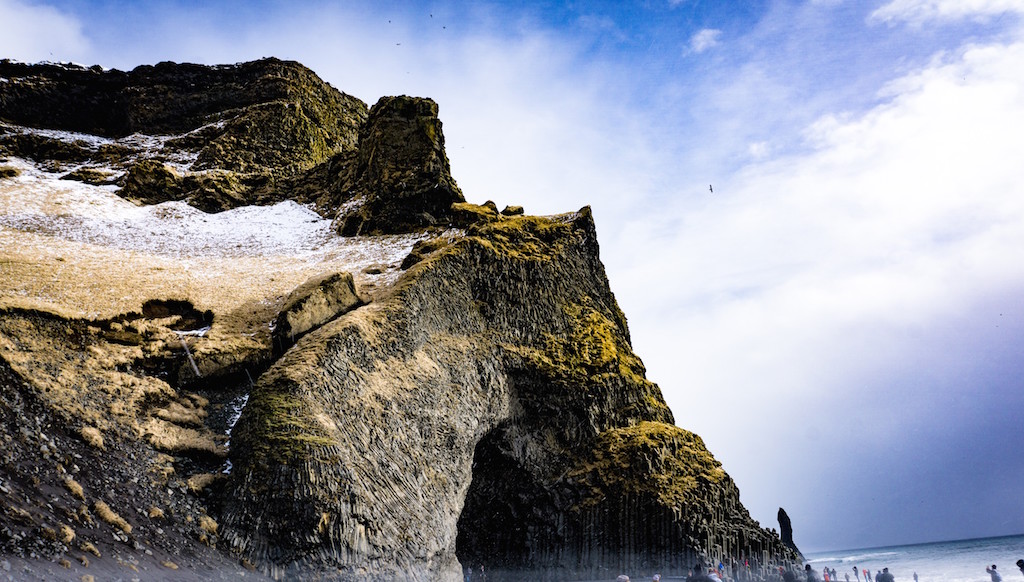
711	189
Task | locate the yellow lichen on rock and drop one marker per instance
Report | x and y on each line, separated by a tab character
108	515
74	487
174	439
93	436
208	524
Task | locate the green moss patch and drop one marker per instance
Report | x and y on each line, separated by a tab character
281	427
278	134
525	237
651	458
466	214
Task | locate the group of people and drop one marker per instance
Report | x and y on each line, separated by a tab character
996	576
711	574
882	575
697	574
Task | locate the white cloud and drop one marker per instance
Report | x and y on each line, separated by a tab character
704	39
920	11
759	150
806	279
35	32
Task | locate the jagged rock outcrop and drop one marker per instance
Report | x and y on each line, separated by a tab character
245	132
313	304
481	404
250	117
233	135
403	181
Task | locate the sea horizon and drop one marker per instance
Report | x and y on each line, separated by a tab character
963	560
905	545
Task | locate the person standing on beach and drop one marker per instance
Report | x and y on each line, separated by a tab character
810	574
856	574
996	577
697	575
915	575
1020	564
885	576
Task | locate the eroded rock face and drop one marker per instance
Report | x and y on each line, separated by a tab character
313	304
786	531
245	133
267	113
496	384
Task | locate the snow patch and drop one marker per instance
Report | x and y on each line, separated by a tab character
39	203
141	144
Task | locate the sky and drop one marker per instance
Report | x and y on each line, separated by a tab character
841	318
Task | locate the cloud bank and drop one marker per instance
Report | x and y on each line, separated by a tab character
855	301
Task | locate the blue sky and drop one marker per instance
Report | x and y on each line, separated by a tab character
841	320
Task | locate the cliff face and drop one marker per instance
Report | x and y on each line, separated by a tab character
466	394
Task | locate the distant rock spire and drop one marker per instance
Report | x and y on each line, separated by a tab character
786	532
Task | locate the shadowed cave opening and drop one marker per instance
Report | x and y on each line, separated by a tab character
508	520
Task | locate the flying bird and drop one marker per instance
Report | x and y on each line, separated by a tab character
711	189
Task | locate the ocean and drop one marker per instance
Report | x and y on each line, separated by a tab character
955	561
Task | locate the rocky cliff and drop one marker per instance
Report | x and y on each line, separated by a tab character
386	383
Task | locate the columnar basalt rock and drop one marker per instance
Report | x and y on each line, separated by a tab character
490	411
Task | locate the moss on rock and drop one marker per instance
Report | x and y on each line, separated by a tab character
651	458
278	134
285	428
402	180
152	182
466	214
313	304
422	250
94	176
268	121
